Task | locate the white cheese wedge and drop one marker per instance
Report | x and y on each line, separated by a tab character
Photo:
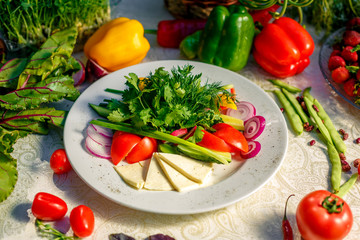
132	174
178	180
156	179
195	170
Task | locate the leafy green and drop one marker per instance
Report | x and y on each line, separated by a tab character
8	171
10	72
34	120
27	85
30	23
329	15
168	101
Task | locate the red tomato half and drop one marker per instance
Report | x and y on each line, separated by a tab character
59	162
48	207
142	151
231	136
213	142
82	221
121	146
316	223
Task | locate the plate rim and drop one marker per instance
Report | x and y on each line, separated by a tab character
175	211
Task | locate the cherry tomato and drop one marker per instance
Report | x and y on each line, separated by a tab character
48	207
316	223
143	150
59	162
231	136
82	221
213	142
349	87
121	146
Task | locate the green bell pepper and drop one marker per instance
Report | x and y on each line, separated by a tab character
227	38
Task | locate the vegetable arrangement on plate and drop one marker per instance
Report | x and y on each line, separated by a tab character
174	112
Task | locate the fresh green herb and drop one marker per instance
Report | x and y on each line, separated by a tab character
168	101
329	15
30	23
46	230
26	85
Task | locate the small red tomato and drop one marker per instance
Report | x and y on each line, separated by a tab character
48	207
59	162
82	221
340	74
321	215
349	87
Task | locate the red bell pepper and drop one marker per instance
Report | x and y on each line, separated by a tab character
283	48
171	32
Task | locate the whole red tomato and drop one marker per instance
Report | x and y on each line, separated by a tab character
82	221
59	162
48	207
315	222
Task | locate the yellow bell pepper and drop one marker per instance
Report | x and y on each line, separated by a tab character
117	44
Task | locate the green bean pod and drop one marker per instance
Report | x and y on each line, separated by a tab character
293	117
336	169
318	121
296	105
345	188
335	136
306	93
285	85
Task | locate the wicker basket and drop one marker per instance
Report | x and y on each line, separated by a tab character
194	8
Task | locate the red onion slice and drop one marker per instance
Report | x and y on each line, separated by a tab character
253	127
79	76
97	149
245	110
106	132
98	137
254	149
94	70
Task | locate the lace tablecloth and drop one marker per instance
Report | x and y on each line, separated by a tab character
259	216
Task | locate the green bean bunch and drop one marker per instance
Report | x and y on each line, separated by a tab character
262	4
317	117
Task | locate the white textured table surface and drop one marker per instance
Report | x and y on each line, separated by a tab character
259	216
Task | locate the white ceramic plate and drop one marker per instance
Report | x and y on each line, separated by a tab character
230	183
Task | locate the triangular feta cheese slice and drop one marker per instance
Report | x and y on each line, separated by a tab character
178	180
132	174
156	179
195	170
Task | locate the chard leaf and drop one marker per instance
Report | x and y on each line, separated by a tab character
8	171
55	52
10	72
34	120
49	90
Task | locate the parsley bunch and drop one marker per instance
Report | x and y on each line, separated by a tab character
165	101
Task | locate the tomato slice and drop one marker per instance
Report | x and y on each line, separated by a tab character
213	142
231	136
121	146
143	150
